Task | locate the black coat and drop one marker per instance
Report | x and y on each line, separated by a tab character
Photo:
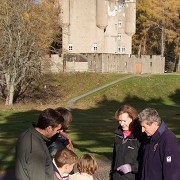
57	142
161	156
126	151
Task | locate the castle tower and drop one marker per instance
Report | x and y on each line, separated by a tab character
130	17
101	14
98	26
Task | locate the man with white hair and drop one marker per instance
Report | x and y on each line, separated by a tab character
161	158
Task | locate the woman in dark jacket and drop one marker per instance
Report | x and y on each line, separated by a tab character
61	140
127	145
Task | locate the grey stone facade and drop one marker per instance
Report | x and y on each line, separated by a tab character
97	37
97	26
108	63
114	63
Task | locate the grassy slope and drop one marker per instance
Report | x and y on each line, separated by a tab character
59	88
93	125
93	115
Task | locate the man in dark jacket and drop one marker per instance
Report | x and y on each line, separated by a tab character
33	161
161	159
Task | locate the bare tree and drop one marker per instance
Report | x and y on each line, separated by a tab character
27	29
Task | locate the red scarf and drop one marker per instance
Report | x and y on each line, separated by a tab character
126	133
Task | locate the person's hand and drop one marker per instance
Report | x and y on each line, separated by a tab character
126	168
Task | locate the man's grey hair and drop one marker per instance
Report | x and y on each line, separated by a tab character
150	115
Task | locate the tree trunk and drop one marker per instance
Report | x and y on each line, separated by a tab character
139	50
176	65
10	89
144	46
10	95
162	43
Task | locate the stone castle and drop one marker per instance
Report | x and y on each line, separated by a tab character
104	29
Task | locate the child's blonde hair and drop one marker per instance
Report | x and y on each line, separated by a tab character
65	156
87	164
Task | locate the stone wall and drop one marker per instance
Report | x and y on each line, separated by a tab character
112	63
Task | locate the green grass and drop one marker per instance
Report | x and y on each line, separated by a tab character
93	123
59	88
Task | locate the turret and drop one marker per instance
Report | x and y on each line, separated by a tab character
65	10
101	14
130	17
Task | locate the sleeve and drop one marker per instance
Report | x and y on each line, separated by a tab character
32	159
135	163
40	162
59	143
21	166
171	159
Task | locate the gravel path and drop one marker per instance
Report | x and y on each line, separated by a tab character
103	169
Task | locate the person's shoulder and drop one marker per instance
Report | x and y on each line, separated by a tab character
75	176
24	140
78	176
24	134
169	139
168	134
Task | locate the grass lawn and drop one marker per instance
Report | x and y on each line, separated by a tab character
93	123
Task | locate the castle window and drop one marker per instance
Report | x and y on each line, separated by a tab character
150	64
95	47
70	47
121	49
119	36
119	24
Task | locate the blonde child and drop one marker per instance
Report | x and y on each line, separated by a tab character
86	166
63	163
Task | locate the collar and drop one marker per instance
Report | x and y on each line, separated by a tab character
159	131
57	173
126	133
119	132
37	134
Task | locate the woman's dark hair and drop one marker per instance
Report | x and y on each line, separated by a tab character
66	114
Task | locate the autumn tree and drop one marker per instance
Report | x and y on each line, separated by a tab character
27	29
157	27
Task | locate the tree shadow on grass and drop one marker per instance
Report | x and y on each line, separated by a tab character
96	125
92	129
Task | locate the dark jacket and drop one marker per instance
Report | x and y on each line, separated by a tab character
125	151
57	142
33	161
161	156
